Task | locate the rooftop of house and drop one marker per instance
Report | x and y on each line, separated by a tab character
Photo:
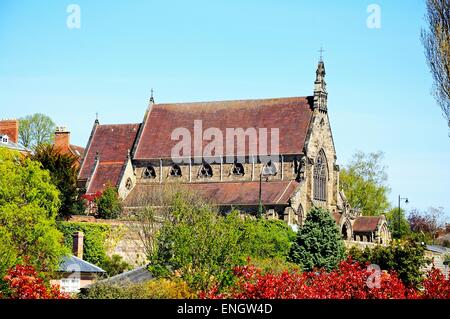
74	264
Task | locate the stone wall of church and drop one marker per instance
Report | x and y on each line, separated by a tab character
321	139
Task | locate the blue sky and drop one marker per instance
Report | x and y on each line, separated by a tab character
378	81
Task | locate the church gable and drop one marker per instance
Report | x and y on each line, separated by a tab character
106	155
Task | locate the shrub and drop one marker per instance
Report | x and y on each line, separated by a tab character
405	257
173	288
109	204
351	280
24	283
114	265
113	291
318	243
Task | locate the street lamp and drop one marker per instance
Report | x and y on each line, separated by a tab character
400	212
265	172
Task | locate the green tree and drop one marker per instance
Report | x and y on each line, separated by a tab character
115	265
29	203
398	224
318	243
109	205
202	246
363	181
35	130
406	257
63	171
436	40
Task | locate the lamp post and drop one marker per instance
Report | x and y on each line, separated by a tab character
400	212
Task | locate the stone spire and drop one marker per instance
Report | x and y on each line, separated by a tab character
320	88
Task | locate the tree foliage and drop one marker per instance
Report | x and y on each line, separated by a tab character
201	246
63	171
319	243
436	41
35	130
109	205
29	203
398	224
363	181
426	223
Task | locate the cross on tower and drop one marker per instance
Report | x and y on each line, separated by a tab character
321	53
151	96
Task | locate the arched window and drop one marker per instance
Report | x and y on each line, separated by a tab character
320	177
149	172
129	184
175	171
270	169
205	171
238	169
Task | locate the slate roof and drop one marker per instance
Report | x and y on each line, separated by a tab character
135	276
75	264
226	193
112	143
15	146
438	249
292	116
366	223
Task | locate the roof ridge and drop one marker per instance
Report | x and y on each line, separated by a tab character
238	100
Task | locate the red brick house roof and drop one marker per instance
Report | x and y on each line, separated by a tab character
366	223
111	143
292	116
229	193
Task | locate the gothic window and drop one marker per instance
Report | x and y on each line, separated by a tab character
238	169
269	169
129	184
175	171
320	177
149	172
205	171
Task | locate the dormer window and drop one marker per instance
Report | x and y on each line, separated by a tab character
205	171
149	172
270	169
238	169
175	171
4	139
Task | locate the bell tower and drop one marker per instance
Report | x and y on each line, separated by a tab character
320	87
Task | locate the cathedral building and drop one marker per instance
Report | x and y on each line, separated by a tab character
277	152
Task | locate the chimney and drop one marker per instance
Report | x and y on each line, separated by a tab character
78	238
62	137
10	128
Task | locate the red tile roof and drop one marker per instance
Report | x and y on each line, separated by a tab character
226	193
112	143
366	223
291	116
106	173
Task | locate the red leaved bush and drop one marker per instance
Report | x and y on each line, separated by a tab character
24	283
350	281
